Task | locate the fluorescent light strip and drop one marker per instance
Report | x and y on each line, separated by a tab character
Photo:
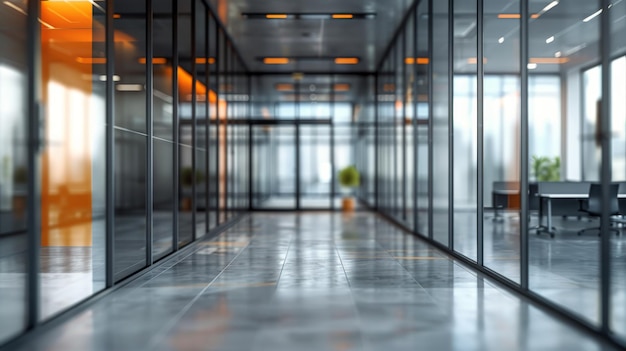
592	16
550	39
15	7
129	87
275	60
549	7
276	16
346	60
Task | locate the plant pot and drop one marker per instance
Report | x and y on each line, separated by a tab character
348	204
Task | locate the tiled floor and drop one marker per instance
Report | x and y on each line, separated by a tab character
314	281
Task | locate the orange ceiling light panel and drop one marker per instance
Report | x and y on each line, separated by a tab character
509	15
155	60
341	87
515	15
204	60
417	60
91	60
285	87
346	60
548	60
342	16
474	60
117	16
276	60
276	16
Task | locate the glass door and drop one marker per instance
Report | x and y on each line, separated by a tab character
274	166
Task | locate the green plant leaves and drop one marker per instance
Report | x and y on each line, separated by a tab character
546	169
349	177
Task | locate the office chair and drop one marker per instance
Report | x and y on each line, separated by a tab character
592	206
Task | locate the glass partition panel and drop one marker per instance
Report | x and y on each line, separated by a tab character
563	109
130	139
13	170
213	120
163	206
617	18
501	140
423	125
186	172
200	118
465	134
315	167
276	187
441	117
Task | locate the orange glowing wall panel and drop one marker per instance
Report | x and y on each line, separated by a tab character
67	33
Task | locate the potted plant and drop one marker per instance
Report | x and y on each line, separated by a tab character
186	180
349	177
546	169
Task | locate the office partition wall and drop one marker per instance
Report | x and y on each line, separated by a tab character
518	108
125	104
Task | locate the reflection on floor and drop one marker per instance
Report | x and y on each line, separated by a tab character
306	202
311	281
565	269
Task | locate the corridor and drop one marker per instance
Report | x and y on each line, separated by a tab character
311	281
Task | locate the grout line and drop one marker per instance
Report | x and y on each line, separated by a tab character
163	333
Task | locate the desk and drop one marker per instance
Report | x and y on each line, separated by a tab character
501	198
548	199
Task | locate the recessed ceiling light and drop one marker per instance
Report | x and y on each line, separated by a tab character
501	40
550	6
557	54
155	60
346	60
592	16
276	16
275	60
532	66
550	39
92	60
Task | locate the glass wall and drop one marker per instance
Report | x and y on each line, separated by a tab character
73	200
520	105
14	172
304	130
126	101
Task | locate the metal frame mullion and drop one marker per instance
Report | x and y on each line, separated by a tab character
297	107
194	122
150	132
376	174
479	114
110	148
207	122
394	135
404	143
35	143
333	186
250	145
415	128
524	254
218	123
606	170
451	124
430	119
175	124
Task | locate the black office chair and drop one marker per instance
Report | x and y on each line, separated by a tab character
592	206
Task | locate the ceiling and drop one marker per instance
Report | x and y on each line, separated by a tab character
317	41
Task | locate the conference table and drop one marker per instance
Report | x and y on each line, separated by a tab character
548	197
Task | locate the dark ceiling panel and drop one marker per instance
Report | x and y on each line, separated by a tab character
362	38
